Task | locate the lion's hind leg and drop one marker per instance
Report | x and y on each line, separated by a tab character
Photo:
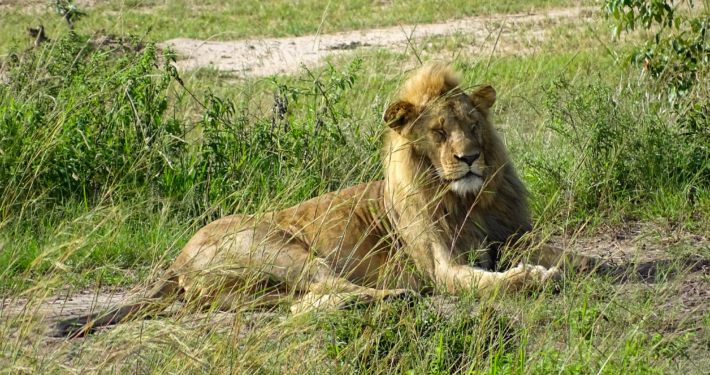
316	286
306	280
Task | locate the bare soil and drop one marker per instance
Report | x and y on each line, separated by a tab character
265	57
65	306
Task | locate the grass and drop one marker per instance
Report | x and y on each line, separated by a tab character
232	19
108	166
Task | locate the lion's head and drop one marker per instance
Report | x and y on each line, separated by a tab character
448	130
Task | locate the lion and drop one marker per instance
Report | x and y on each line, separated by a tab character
449	208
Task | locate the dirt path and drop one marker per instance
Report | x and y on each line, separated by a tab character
264	57
62	307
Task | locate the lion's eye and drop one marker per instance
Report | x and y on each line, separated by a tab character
440	132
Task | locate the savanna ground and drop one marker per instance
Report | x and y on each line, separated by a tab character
110	159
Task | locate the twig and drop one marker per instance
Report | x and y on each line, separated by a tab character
320	27
495	45
409	42
179	80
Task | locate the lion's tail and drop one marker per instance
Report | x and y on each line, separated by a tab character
160	297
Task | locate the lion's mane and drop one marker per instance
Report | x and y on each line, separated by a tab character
497	214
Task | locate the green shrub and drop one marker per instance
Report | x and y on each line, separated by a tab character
302	149
82	125
76	123
678	52
613	148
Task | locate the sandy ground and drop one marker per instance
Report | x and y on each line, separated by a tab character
265	57
65	306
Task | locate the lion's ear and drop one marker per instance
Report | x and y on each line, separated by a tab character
484	97
398	115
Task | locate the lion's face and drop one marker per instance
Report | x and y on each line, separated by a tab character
450	133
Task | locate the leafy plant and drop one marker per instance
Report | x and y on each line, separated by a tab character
617	151
678	52
69	11
73	120
84	124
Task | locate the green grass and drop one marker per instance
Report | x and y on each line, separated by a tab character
234	19
108	166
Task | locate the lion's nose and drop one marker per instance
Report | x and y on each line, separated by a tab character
468	159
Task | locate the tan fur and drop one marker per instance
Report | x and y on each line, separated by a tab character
418	227
429	83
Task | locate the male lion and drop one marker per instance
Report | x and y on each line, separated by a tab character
450	197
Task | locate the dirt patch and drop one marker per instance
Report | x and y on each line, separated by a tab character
638	243
63	307
264	57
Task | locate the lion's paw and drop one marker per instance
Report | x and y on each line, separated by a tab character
526	276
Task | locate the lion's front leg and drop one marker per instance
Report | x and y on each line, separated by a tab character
527	276
450	275
456	279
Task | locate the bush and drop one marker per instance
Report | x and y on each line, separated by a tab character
79	124
613	148
302	148
676	56
678	53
